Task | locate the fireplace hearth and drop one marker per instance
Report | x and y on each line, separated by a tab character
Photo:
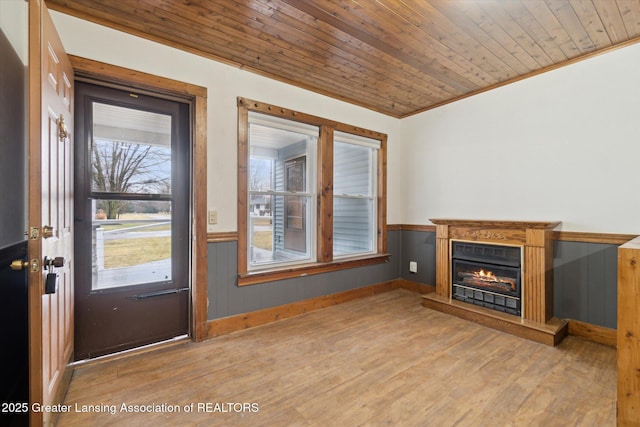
487	275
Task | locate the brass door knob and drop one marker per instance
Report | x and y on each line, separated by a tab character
19	264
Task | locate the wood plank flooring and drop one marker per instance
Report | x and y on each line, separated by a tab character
381	360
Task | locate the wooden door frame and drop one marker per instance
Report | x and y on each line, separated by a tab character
295	234
34	279
101	73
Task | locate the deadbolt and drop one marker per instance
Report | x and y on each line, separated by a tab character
47	231
56	262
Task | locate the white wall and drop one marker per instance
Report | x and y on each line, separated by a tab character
561	146
225	84
13	16
564	145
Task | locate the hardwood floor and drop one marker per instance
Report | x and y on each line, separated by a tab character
381	360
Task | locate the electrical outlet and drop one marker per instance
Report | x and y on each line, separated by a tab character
413	266
213	217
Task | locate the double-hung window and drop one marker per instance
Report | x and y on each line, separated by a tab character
355	162
311	194
281	209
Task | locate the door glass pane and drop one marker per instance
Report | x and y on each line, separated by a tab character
135	247
130	151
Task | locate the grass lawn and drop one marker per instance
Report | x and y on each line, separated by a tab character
130	252
261	221
109	227
262	239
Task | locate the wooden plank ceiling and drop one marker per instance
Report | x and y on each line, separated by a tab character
398	57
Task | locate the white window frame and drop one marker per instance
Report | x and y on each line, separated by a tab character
374	146
280	124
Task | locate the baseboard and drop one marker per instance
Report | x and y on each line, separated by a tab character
242	321
593	333
415	286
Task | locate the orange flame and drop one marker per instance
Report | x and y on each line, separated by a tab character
486	276
489	279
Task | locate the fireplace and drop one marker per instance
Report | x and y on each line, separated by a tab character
487	275
499	274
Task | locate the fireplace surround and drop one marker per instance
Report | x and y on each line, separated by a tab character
518	295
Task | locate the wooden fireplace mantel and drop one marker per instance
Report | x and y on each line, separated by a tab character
536	239
496	223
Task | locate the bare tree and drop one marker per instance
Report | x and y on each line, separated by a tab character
120	167
260	174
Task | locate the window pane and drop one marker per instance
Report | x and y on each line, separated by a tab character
280	233
281	203
352	169
130	151
132	248
273	155
353	226
261	174
354	206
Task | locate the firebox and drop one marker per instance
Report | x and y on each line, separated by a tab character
487	275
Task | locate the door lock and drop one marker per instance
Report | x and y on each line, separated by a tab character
51	282
56	262
47	231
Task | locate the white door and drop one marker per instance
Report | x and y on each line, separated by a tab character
50	248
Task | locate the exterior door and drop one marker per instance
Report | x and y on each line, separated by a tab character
295	221
50	234
132	219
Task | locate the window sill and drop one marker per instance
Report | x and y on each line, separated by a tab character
263	276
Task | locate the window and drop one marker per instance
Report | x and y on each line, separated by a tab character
311	194
354	194
281	194
130	159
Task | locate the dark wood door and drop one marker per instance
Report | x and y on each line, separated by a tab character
132	219
50	235
295	221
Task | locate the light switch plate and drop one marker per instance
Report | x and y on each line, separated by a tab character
213	217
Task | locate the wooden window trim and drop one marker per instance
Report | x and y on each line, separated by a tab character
290	272
324	188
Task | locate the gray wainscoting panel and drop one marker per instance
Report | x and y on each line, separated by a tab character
13	145
226	298
222	276
419	246
585	278
586	282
